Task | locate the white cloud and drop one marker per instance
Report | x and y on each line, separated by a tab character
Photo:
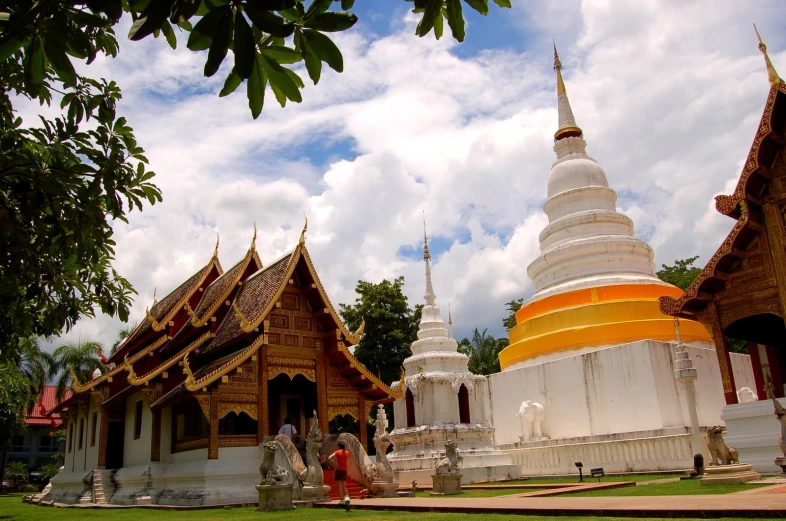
668	94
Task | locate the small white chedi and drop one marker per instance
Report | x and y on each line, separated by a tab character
443	401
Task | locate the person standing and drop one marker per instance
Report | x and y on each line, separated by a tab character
288	429
340	458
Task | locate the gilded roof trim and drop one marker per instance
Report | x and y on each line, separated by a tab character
200	322
398	393
80	388
144	379
194	385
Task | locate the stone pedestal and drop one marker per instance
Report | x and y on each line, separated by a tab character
316	494
384	488
446	484
729	474
275	497
781	462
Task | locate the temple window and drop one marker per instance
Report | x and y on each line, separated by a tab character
410	399
189	426
237	424
93	428
81	432
463	403
138	420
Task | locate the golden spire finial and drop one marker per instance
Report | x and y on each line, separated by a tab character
302	239
154	296
426	253
775	80
215	250
253	239
558	68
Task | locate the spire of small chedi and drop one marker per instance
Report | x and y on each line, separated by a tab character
429	296
567	123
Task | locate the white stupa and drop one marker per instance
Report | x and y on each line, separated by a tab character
443	401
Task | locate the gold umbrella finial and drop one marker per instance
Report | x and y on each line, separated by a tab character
772	74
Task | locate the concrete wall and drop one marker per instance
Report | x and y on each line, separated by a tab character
137	451
624	388
86	458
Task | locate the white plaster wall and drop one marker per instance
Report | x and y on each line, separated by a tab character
137	452
478	403
742	369
435	401
625	388
92	450
86	458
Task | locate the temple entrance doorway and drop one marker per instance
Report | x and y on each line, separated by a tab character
766	337
115	438
295	399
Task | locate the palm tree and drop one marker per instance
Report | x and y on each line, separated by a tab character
34	365
79	360
121	335
15	470
483	351
49	470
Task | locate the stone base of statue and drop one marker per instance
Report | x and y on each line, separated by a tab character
781	462
316	494
384	488
729	474
275	497
445	484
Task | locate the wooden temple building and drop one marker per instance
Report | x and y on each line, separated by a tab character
217	365
741	292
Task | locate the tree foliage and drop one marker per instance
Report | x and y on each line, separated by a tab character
514	305
263	35
15	399
75	360
121	335
16	470
391	326
681	274
483	352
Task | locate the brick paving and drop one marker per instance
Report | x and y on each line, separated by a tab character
769	504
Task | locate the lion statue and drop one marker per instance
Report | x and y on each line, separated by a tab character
272	474
448	464
718	448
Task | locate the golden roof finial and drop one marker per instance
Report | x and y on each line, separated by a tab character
775	80
215	250
558	68
154	296
426	253
253	239
302	239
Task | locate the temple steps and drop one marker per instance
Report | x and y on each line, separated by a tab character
103	488
354	488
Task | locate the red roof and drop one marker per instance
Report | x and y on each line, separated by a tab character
46	402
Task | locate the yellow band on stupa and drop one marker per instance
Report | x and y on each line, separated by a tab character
592	317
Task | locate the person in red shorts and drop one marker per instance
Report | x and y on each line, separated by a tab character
340	458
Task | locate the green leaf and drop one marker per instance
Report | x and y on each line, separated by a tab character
331	22
313	67
221	40
232	82
282	54
317	7
279	79
54	48
455	19
325	49
503	3
268	22
432	10
152	18
9	47
34	65
346	5
481	6
244	46
169	34
205	30
293	15
275	5
255	90
438	25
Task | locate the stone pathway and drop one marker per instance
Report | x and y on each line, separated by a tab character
770	502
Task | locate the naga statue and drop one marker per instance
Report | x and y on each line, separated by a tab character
384	471
313	475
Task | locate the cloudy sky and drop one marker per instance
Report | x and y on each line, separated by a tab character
668	93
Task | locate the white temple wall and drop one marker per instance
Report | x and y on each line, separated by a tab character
83	458
625	388
479	409
435	402
92	442
137	451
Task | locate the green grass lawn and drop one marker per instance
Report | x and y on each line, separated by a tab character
14	510
686	487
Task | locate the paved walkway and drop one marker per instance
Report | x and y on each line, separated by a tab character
762	505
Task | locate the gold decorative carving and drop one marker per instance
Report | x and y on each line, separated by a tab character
303	323
291	340
279	321
294	362
290	301
341	400
300	352
204	404
237	440
249	408
274	338
291	372
342	411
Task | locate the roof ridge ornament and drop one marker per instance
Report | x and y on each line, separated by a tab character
155	300
187	372
567	123
215	250
772	74
253	246
302	240
245	325
429	296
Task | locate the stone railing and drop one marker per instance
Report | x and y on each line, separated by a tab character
658	453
